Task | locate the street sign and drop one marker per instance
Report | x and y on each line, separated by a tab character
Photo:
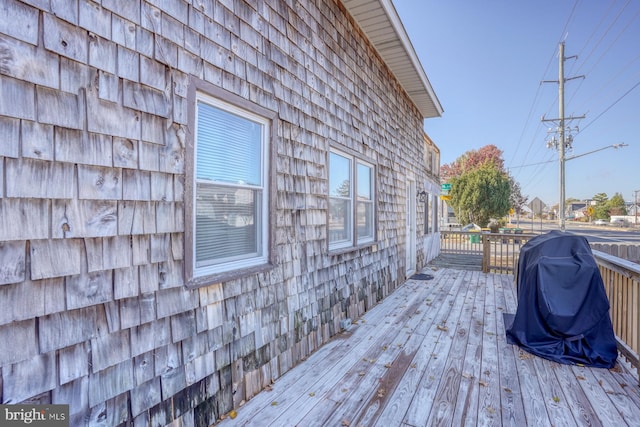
445	197
537	206
446	187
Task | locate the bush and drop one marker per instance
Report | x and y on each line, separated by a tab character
494	226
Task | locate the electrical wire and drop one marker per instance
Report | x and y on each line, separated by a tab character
615	40
603	35
533	164
539	166
535	99
608	108
593	33
606	51
614	79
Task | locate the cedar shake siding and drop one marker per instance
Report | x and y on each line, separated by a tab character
117	296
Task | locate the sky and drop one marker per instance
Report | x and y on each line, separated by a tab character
486	61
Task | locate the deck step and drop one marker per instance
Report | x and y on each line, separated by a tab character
458	262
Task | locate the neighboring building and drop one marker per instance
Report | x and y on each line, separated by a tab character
576	210
448	218
632	208
194	195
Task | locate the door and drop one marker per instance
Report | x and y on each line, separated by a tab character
410	248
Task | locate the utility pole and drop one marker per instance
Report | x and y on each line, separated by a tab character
562	139
635	208
562	144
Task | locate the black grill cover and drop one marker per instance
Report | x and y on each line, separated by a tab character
563	310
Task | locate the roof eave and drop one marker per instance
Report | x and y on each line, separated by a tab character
381	23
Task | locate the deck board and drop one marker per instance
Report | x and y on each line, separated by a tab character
466	411
435	353
437	342
511	397
447	393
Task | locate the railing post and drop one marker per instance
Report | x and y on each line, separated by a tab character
486	252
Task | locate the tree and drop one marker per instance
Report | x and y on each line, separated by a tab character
600	198
480	186
570	200
616	205
471	160
516	199
480	194
601	211
344	189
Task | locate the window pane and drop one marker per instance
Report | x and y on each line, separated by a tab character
365	190
229	147
436	210
364	204
426	214
364	221
226	223
339	220
339	176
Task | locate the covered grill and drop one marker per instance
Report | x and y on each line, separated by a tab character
563	310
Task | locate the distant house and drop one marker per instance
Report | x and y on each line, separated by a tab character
631	207
195	195
576	210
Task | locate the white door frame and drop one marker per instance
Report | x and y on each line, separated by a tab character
410	245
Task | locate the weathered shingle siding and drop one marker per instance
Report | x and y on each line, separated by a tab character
93	118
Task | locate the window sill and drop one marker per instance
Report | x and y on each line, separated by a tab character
339	251
199	282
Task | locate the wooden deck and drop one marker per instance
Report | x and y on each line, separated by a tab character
435	353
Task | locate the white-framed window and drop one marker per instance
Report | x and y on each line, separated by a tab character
230	191
429	208
427	213
351	200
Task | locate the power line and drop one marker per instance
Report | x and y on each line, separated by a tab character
573	157
614	78
615	40
607	50
533	164
603	35
535	99
608	108
593	33
612	23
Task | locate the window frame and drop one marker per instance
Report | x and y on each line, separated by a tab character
429	203
201	91
355	241
434	213
427	214
431	211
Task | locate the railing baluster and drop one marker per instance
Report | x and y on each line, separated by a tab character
499	251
